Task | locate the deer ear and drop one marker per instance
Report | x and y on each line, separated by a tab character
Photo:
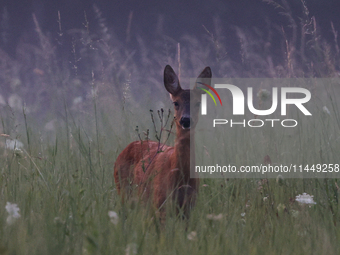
206	73
203	78
171	81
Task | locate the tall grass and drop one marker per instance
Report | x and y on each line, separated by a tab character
82	115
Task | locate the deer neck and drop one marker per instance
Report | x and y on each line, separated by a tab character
181	154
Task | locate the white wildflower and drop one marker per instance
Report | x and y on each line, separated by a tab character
13	211
113	217
325	110
14	144
192	236
305	199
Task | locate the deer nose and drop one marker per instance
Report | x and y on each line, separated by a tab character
185	122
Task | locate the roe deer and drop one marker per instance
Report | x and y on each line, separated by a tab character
163	175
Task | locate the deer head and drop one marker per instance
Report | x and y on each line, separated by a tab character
183	98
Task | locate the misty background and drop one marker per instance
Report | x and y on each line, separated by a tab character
62	54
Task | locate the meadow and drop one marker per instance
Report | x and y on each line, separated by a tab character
64	122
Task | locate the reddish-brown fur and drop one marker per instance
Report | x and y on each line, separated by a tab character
165	175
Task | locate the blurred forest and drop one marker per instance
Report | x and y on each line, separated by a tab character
61	53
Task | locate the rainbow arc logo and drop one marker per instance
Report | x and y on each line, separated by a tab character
212	89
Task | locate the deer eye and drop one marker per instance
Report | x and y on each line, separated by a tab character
176	104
